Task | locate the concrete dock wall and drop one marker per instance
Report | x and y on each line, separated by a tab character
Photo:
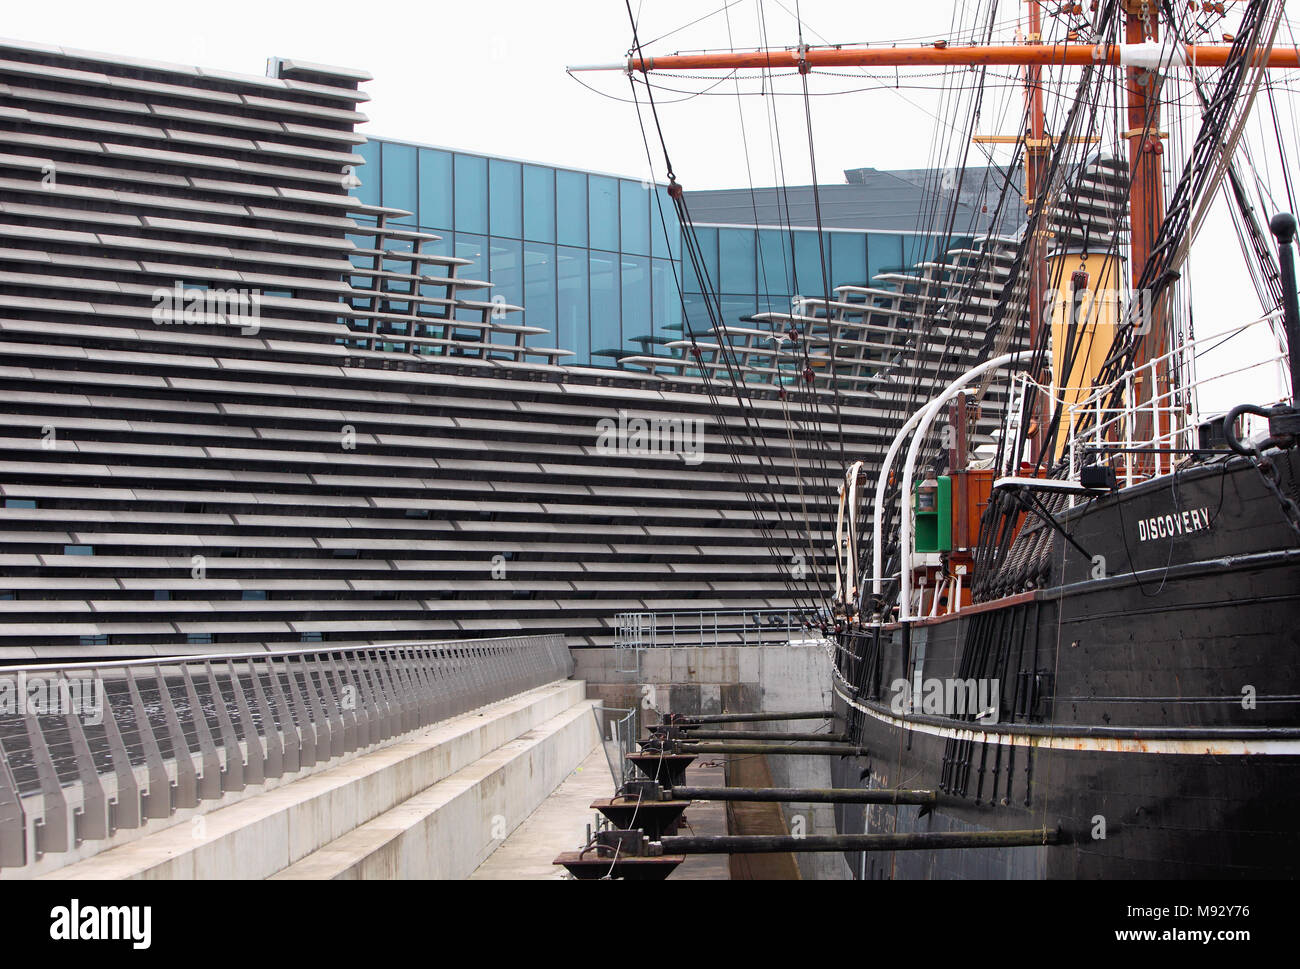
739	679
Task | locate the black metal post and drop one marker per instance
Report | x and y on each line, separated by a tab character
760	735
808	795
913	841
1283	226
688	720
804	749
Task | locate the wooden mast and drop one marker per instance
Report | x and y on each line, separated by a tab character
1146	201
1037	153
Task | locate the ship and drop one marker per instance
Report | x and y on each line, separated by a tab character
1082	625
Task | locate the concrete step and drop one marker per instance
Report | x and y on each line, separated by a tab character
448	830
266	833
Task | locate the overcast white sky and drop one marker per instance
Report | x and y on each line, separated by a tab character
488	75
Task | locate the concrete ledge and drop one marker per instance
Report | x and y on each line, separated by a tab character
261	835
450	829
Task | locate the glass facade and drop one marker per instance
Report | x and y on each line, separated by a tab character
597	259
586	255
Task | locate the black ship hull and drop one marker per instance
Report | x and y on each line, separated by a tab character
1147	697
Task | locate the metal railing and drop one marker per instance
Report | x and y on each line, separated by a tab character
619	729
709	627
1147	438
88	749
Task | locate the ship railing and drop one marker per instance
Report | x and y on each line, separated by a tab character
1145	438
93	754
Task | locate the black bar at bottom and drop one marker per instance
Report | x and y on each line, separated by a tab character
918	841
809	795
692	718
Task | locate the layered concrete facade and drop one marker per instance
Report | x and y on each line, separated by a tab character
190	474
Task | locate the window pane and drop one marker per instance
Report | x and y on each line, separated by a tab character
435	188
708	243
919	248
539	203
736	307
368	190
697	316
399	179
774	261
473	248
671	247
886	253
807	264
606	335
571	208
505	205
539	290
667	304
848	258
471	194
571	326
602	213
634	215
736	260
507	268
636	302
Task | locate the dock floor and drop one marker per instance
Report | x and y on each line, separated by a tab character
560	824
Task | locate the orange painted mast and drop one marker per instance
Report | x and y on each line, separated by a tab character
942	54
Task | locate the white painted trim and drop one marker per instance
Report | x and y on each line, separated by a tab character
1202	747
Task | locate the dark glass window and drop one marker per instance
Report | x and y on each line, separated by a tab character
571	208
736	260
572	325
602	212
471	194
506	202
399	164
634	216
435	189
606	335
539	203
539	289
